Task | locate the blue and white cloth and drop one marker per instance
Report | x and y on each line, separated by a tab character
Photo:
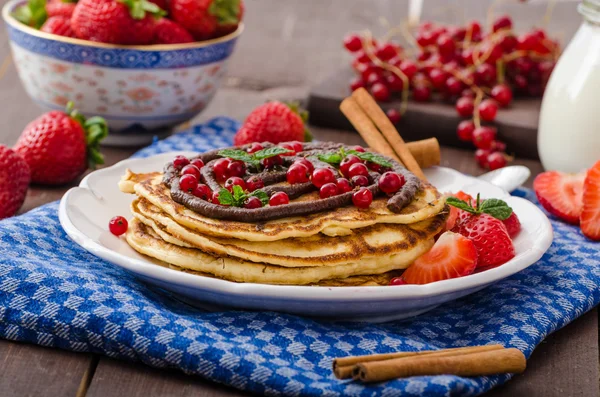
53	293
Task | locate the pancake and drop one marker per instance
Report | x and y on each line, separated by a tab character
376	244
340	222
144	240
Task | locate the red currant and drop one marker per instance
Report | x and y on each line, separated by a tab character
397	281
362	198
359	180
488	110
357	83
236	168
485	74
425	39
348	162
377	168
180	161
394	83
386	51
289	147
255	147
394	115
496	160
467	57
215	198
391	182
527	42
309	166
188	183
502	94
421	93
358	169
498	146
202	191
520	82
374	78
474	27
483	137
191	170
465	130
272	162
352	43
465	107
254	183
408	68
297	173
438	78
198	163
252	203
297	146
235	181
279	198
504	22
328	190
380	92
321	176
453	86
343	185
118	225
446	45
509	43
481	156
220	169
359	149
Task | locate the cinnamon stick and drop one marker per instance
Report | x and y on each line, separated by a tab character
383	123
343	367
472	364
426	152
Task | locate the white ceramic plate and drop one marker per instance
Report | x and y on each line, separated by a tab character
85	211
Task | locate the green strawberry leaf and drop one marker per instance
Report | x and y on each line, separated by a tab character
262	196
95	129
461	205
139	8
331	158
496	208
32	14
270	152
226	11
372	158
225	197
236	154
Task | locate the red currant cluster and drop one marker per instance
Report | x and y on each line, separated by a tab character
477	71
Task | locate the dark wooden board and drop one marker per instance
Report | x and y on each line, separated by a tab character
517	124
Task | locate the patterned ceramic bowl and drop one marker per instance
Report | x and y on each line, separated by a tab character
140	90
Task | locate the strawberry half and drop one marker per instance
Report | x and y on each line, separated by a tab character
560	194
452	256
590	214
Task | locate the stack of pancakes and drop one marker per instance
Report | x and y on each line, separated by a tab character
346	246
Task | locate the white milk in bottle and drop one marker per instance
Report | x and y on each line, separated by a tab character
569	129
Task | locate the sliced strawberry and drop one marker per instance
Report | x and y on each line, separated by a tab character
452	256
464	196
457	215
560	194
513	225
590	215
494	246
451	221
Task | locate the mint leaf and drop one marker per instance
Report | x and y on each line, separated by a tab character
461	205
372	158
238	193
262	196
270	152
225	197
330	158
236	154
496	208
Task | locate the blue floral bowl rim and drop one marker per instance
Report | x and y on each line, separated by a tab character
10	20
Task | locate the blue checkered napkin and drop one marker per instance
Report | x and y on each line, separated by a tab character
53	293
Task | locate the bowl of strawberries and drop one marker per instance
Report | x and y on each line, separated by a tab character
143	65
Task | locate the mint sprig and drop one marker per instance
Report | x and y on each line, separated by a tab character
493	207
336	158
253	158
238	197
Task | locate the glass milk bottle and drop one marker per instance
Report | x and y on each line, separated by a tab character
569	129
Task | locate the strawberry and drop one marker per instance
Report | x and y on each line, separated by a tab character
169	32
494	246
14	180
513	225
452	217
115	21
162	4
60	8
273	122
590	215
202	18
58	146
560	194
58	25
226	27
452	256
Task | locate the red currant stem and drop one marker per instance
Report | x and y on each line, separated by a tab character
476	102
368	47
490	13
500	71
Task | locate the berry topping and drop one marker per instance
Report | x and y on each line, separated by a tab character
290	147
452	256
254	183
188	183
279	198
321	176
236	168
343	185
180	161
590	215
191	170
202	191
235	181
561	194
309	166
360	180
272	162
358	169
362	198
255	147
215	198
391	182
197	163
397	281
359	149
252	203
220	169
328	190
118	225
297	173
347	162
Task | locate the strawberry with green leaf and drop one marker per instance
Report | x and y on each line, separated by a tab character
204	18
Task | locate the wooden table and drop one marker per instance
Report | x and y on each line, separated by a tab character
288	46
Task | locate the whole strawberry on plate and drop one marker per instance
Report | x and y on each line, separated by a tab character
274	122
204	18
60	146
14	180
484	226
116	21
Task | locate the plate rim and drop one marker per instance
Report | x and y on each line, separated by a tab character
294	292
